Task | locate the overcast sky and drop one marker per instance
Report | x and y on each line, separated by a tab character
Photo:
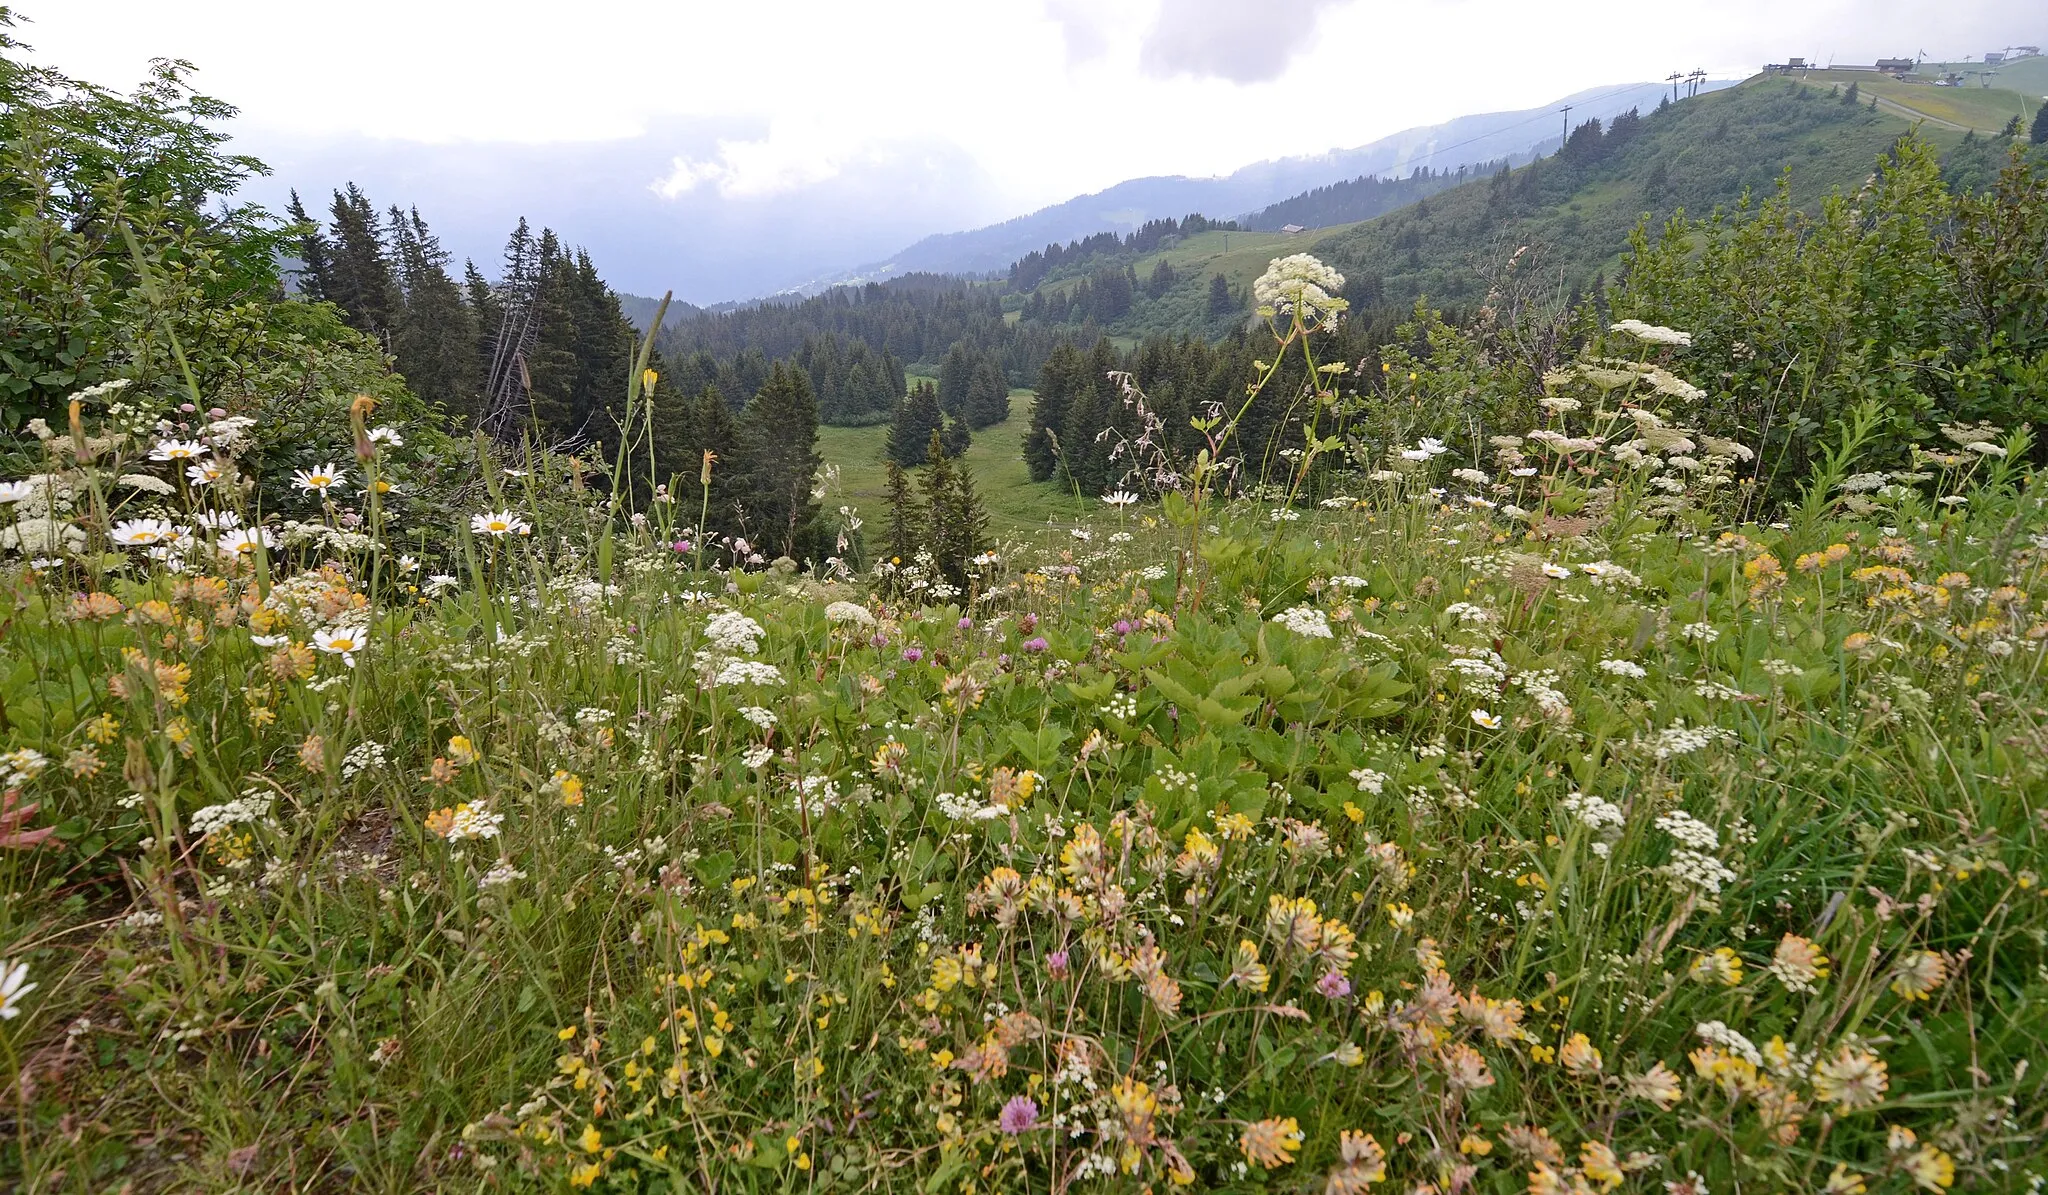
1049	97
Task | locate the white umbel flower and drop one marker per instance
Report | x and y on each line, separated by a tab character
1653	333
1299	280
1305	620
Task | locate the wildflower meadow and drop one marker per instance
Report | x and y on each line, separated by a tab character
1550	822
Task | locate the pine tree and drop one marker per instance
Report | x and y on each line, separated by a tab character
918	418
779	441
314	265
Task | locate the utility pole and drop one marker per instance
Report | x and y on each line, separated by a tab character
1673	79
1567	134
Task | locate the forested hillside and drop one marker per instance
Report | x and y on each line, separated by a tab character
1576	208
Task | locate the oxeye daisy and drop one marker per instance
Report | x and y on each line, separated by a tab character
143	533
205	472
178	450
1486	718
321	478
343	641
247	541
13	986
498	522
16	491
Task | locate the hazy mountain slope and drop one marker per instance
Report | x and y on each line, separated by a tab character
1577	208
1468	139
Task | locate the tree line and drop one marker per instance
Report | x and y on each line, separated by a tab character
540	356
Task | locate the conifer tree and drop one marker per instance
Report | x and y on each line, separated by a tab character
988	396
359	278
779	441
686	426
941	490
918	418
435	341
1220	301
313	251
903	516
2039	134
954	436
970	522
955	374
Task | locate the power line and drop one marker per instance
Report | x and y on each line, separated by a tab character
1506	128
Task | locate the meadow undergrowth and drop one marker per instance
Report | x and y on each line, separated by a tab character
1549	827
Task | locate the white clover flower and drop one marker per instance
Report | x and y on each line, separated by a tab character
1299	280
1305	620
1652	333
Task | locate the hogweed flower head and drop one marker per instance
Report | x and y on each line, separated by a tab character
1300	282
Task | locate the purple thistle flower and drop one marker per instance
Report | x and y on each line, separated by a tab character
1018	1116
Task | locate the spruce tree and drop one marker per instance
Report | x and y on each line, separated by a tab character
2039	133
314	265
918	418
359	277
988	396
970	522
941	488
435	341
955	373
686	426
954	436
1221	302
903	517
779	441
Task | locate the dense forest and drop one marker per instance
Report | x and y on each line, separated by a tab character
1363	198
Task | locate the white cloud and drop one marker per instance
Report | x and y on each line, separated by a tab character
1239	40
